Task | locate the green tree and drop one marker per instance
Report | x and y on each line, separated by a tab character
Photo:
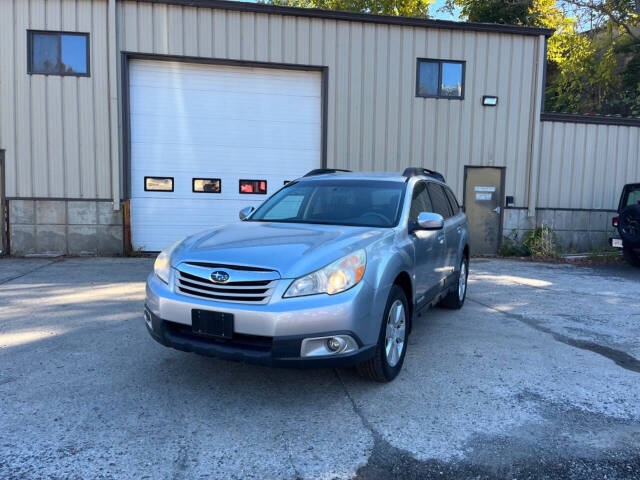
593	71
405	8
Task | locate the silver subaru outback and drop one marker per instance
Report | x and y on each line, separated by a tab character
330	271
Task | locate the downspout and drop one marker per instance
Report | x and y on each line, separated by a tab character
534	146
113	103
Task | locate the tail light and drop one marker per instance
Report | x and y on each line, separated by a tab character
614	222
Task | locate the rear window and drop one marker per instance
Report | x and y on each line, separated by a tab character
633	198
340	202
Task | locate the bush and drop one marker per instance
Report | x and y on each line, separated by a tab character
541	242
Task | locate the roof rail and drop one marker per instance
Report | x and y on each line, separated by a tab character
322	171
416	171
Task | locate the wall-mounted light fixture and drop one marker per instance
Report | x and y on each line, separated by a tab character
489	101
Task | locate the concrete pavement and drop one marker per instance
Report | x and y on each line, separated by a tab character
536	377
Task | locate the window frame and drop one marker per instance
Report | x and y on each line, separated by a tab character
193	185
173	184
440	61
58	33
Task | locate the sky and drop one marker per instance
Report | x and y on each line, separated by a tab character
434	13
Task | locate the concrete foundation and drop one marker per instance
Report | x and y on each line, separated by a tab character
576	230
66	227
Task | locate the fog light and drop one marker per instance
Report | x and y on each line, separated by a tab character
334	345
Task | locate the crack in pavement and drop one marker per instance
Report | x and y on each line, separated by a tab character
10	279
620	358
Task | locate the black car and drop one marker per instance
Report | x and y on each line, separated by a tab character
628	224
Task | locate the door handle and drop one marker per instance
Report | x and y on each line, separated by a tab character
459	229
497	210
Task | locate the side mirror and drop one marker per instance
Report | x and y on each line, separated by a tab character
245	212
430	221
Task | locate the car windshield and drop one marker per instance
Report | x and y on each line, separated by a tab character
335	202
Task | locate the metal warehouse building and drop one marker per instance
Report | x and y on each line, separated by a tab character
128	124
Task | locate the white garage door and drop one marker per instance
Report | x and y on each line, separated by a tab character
207	140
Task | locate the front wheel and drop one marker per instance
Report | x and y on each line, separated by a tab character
455	298
387	361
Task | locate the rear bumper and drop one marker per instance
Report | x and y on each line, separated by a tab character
282	351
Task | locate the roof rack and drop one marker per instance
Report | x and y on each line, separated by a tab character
416	171
322	171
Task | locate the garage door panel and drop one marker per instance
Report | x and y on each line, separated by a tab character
182	184
238	106
162	75
202	121
213	158
226	133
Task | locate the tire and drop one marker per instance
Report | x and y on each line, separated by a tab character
631	256
386	363
629	225
455	298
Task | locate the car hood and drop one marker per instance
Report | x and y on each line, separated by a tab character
290	249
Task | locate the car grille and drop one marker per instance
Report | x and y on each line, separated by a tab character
255	287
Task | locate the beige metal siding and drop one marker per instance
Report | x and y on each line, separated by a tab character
55	130
585	165
374	119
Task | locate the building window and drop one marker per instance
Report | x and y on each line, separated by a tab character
58	53
158	184
253	186
440	79
206	185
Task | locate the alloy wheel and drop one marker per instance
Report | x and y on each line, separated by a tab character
462	282
395	333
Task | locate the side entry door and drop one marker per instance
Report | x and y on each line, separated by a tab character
483	196
442	206
429	246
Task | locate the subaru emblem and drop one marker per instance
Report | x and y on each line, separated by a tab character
219	276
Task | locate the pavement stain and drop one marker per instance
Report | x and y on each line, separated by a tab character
525	453
620	358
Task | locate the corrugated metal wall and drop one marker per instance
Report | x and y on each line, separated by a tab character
585	165
375	121
55	130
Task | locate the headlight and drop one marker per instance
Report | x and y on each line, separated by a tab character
162	265
336	277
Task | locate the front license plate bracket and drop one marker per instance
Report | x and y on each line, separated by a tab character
212	324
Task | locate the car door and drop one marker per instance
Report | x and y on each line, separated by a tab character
441	205
429	247
455	232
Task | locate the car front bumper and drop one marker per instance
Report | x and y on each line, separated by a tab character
267	334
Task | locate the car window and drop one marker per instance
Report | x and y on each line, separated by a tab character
634	197
452	200
339	202
420	201
439	200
